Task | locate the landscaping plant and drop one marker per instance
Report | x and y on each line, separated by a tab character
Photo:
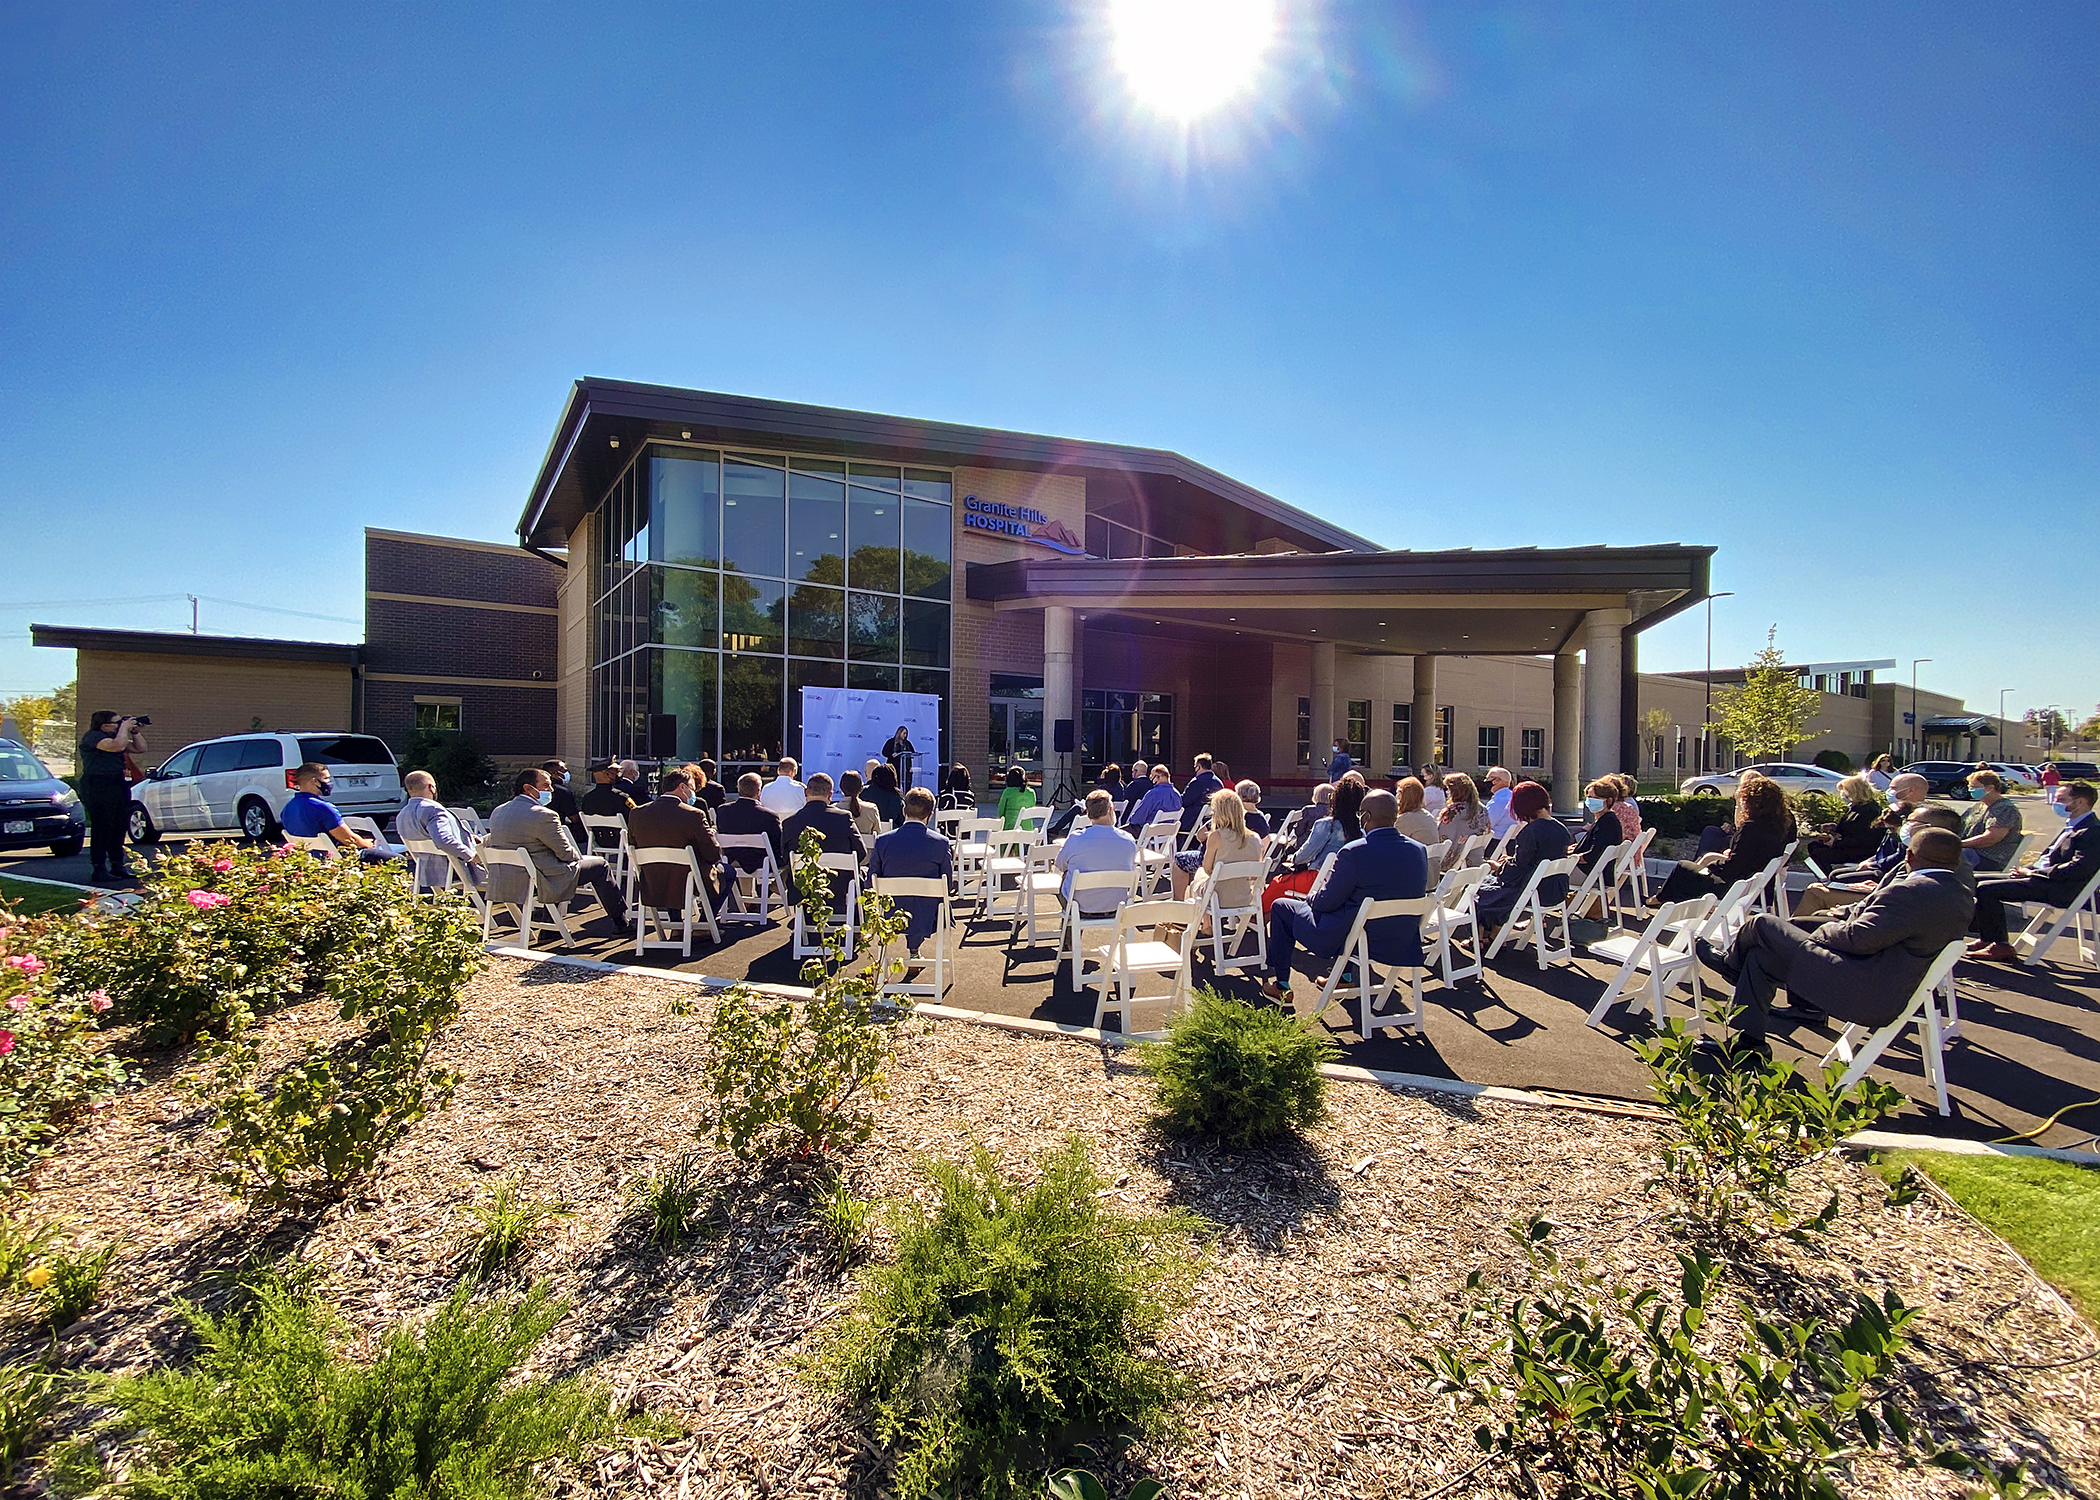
1589	1387
504	1223
665	1202
808	1087
1013	1323
28	1394
1242	1073
53	1065
1741	1128
273	1405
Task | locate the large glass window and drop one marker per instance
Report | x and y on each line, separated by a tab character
754	613
683	685
871	627
752	728
817	621
685	606
817	523
925	633
1403	734
1490	745
928	560
872	527
753	505
1358	741
685	510
1532	753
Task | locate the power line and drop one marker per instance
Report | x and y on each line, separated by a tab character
268	609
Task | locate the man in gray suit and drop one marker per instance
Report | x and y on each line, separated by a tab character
529	822
424	817
1862	965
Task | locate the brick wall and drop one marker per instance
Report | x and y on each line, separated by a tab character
193	698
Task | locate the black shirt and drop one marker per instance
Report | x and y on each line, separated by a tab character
606	802
714	794
95	762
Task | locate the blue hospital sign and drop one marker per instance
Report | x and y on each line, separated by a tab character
1021	522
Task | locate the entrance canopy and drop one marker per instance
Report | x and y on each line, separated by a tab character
1523	601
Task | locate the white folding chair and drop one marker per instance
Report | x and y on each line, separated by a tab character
1474	851
455	872
809	942
698	905
1629	877
1922	1007
521	915
1036	894
319	845
2081	917
1665	950
1371	991
1452	914
947	820
973	856
1229	925
1156	854
1037	817
1499	846
1126	955
1728	915
1186	841
1006	871
937	952
359	823
470	821
754	895
1596	886
608	837
1078	927
1436	853
1531	914
1766	893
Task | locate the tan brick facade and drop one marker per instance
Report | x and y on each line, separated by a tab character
572	701
193	698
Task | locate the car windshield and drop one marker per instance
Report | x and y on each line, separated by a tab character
20	765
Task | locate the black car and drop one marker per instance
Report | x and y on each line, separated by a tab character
2077	770
1943	778
36	808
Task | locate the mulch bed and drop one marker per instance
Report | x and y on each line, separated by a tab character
578	1082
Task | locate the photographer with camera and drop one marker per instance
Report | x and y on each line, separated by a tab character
104	790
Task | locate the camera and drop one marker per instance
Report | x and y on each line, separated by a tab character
140	719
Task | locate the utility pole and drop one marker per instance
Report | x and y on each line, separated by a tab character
1706	715
193	612
1917	747
2001	724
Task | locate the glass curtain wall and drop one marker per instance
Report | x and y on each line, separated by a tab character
727	582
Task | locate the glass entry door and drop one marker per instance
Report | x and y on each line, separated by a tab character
1017	733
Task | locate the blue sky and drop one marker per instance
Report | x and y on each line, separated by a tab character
1814	284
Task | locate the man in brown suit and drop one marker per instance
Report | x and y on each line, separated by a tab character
671	821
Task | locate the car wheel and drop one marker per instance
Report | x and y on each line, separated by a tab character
67	848
1705	791
141	826
256	822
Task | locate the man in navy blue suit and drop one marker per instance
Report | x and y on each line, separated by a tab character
1382	866
914	851
2058	877
1196	795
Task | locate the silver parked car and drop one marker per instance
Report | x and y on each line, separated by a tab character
1792	776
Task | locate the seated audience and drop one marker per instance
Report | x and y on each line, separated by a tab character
1381	866
1015	797
528	821
1856	835
605	798
1848	885
1763	827
1881	773
1195	796
1135	785
913	851
1338	828
746	815
1250	798
1862	966
1906	794
564	803
2058	876
831	825
1464	817
1628	807
1111	780
629	781
866	817
1500	786
1226	842
1097	845
1415	820
1433	794
425	819
309	814
1540	837
958	797
1160	799
1991	829
674	819
888	797
708	790
783	795
1298	825
1600	799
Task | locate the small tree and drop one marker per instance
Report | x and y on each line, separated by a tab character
30	711
1770	713
2048	725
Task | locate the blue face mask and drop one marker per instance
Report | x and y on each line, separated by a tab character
1594	804
546	796
1977	792
1903	835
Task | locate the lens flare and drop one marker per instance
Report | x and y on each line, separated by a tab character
1184	58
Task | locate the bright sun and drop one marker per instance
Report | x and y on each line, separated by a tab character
1186	57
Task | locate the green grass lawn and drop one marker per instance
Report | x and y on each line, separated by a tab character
2047	1210
30	899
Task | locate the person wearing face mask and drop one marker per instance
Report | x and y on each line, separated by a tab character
309	814
565	805
1991	828
672	820
1600	800
529	822
1850	885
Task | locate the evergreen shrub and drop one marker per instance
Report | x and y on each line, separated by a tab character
1241	1073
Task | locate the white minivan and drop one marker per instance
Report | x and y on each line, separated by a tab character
238	785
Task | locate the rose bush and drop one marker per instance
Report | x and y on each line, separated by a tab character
53	1064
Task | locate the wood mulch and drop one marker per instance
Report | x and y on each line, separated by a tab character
577	1082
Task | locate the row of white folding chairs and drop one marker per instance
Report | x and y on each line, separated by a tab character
2080	918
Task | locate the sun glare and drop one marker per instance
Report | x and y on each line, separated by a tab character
1184	58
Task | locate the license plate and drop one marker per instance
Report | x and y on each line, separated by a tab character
24	826
354	780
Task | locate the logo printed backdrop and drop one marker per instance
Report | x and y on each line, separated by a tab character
843	727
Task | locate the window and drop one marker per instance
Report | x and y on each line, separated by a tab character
1491	744
1403	734
224	756
1305	731
1657	760
345	750
437	713
1444	734
182	764
1358	740
257	755
1122	727
1681	743
1533	752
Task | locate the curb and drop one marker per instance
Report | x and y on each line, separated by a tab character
64	885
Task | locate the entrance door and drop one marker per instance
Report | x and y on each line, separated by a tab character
1017	733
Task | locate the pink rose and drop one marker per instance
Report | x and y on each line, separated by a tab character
19	1004
7	1042
27	963
99	1001
221	866
206	900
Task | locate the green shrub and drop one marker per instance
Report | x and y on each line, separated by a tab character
1812	809
664	1203
52	1062
808	1088
1741	1128
504	1223
843	1219
465	773
1013	1322
1834	760
56	1278
1590	1387
1675	817
272	1406
1240	1072
28	1395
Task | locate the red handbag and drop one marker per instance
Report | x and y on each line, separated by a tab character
1296	883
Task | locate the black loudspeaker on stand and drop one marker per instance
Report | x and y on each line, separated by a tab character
663	736
1063	741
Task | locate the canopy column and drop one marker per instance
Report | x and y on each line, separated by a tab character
1422	714
1060	696
1600	690
1567	731
1322	705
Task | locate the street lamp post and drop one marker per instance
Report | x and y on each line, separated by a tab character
1917	746
1706	713
2001	724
